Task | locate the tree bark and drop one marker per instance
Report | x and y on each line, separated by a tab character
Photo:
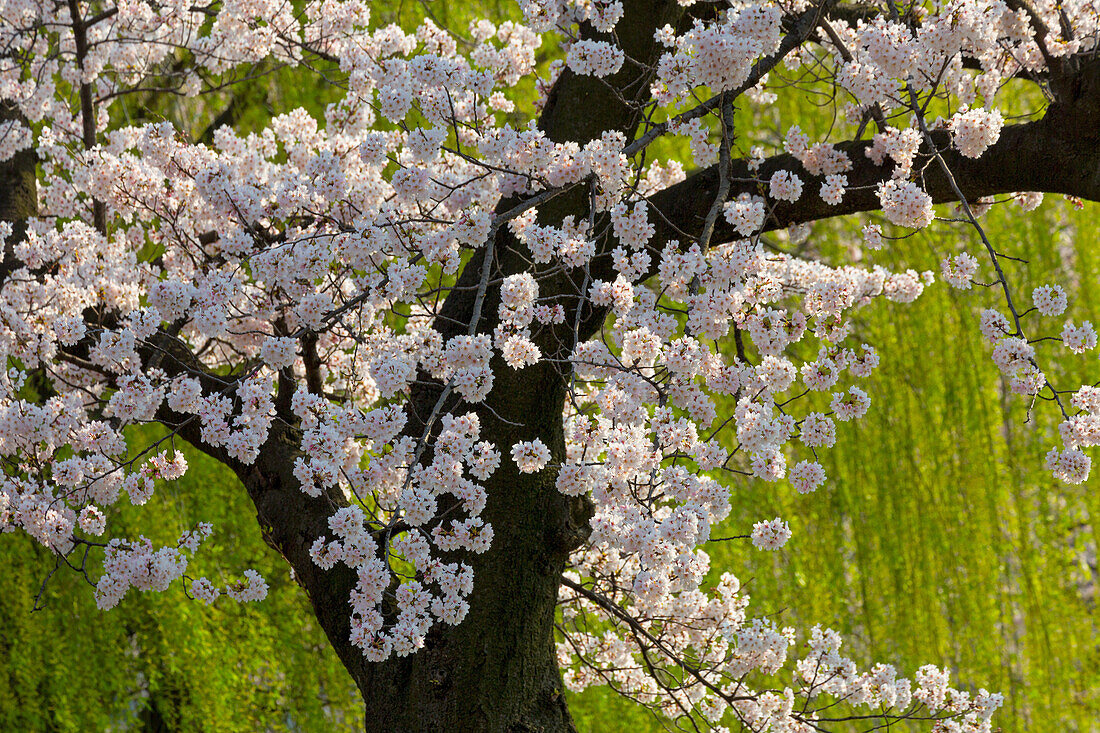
1058	153
18	195
497	670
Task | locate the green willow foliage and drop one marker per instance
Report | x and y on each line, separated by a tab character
163	661
939	537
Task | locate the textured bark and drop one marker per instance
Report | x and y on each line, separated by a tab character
496	671
18	196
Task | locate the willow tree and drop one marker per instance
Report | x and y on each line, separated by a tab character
463	351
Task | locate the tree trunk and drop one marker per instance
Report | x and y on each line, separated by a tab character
18	195
497	670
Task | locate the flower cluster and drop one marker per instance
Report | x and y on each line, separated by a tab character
958	271
975	130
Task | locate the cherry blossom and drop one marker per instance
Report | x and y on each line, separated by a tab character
359	295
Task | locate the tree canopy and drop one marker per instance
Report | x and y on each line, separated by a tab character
494	326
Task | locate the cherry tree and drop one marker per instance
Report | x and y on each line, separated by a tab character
489	367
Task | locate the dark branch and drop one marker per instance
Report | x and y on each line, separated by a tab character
1059	153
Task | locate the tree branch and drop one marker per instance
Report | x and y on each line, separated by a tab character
1059	153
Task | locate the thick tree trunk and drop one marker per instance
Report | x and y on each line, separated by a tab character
18	195
497	670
